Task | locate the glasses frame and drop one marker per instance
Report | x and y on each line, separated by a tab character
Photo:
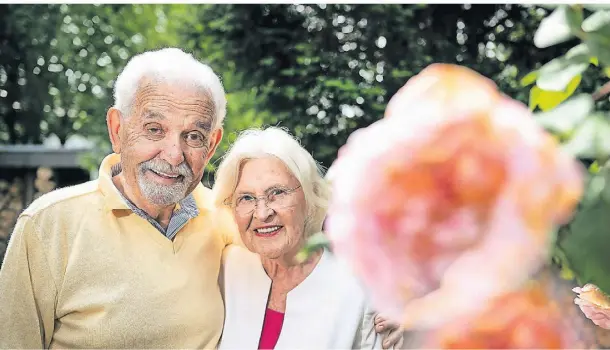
228	201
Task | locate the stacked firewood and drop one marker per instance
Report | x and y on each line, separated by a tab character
11	201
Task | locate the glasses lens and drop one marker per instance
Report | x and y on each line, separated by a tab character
245	207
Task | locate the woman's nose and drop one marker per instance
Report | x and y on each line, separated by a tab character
262	210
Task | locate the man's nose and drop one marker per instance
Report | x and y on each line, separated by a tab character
173	152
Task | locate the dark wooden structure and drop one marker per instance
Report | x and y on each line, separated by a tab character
24	160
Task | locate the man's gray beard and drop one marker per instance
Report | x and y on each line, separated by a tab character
164	195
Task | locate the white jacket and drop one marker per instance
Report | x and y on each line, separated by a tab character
328	310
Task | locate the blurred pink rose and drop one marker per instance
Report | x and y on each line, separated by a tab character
525	319
449	201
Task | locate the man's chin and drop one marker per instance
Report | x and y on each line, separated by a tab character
157	197
162	202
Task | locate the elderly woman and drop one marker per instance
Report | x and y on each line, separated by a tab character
278	198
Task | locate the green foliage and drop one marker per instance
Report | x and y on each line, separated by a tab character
326	70
59	72
60	61
243	112
583	125
583	244
315	242
567	116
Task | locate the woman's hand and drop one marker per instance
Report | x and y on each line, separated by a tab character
394	337
597	314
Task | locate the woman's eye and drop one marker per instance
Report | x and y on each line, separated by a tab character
244	199
277	192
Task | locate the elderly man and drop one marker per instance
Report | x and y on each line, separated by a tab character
131	259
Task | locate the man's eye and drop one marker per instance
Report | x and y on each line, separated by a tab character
195	139
154	130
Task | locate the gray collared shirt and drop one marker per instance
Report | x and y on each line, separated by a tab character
188	210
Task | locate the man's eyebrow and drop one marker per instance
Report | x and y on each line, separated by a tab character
153	115
205	125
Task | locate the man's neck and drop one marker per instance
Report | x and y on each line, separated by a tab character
161	214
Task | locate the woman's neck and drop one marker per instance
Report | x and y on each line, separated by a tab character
287	272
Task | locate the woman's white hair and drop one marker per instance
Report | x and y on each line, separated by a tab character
276	142
170	65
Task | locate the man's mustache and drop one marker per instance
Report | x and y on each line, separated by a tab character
166	168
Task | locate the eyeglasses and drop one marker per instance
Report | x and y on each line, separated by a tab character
275	198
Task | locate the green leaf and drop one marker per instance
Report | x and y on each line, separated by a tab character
548	100
591	139
316	242
586	245
529	78
557	74
567	115
594	168
599	45
605	172
594	61
549	6
534	99
594	187
574	17
595	7
554	29
596	21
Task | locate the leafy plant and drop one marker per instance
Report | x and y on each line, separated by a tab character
582	127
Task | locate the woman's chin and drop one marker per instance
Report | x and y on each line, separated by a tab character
269	252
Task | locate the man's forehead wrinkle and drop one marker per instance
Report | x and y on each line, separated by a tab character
151	94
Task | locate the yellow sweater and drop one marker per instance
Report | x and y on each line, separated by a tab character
82	271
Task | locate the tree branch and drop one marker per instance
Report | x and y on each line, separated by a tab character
603	91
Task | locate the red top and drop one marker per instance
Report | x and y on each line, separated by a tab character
272	326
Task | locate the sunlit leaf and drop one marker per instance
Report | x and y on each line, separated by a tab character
599	45
547	100
567	115
596	21
591	139
316	242
529	78
595	7
554	29
575	16
534	97
558	73
594	167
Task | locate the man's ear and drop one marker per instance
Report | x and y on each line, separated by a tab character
215	139
113	121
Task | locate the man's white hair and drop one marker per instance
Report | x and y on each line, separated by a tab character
276	142
170	65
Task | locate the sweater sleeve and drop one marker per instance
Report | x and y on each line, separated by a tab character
367	337
226	226
27	291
